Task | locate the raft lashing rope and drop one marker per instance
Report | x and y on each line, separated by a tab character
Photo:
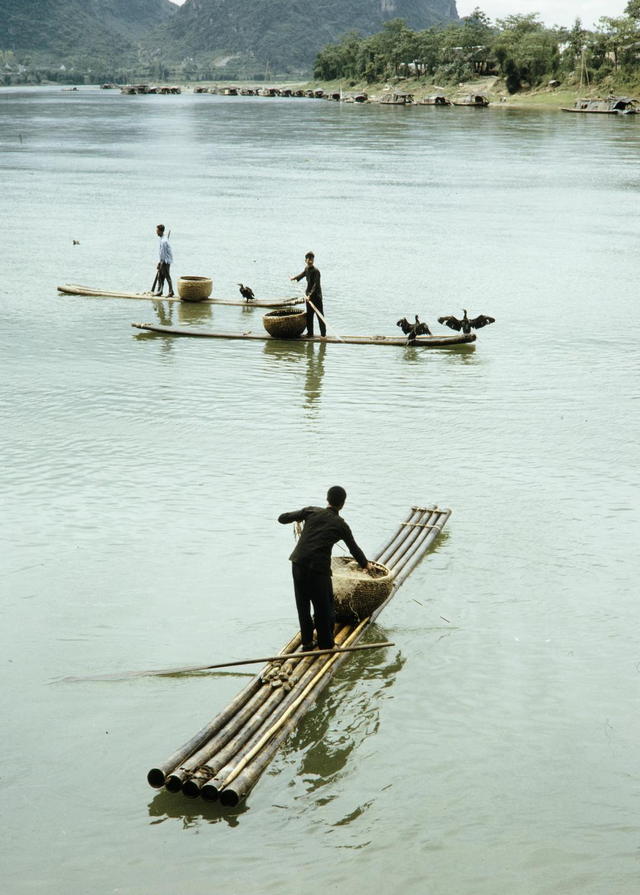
225	759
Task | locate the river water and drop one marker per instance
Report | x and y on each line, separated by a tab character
494	749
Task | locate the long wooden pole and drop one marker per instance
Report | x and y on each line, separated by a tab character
191	668
308	300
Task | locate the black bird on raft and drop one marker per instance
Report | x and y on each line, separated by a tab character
412	330
466	325
246	293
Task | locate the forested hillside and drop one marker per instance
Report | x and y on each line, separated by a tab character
62	28
246	34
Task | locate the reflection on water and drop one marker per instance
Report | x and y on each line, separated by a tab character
165	806
313	377
346	714
193	312
165	312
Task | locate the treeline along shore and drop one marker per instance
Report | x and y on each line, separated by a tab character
520	50
517	58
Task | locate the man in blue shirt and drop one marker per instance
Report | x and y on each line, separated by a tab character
311	565
165	262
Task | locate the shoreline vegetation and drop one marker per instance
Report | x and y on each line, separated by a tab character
516	60
493	88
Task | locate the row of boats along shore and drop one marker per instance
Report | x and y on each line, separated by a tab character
612	105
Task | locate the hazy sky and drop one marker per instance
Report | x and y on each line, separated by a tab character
552	12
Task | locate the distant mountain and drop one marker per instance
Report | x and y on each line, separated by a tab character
287	34
78	27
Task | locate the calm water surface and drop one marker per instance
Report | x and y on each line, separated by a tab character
494	749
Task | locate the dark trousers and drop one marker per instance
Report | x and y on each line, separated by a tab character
311	314
164	273
314	589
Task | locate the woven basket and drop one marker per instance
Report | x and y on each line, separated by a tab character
357	598
285	323
194	288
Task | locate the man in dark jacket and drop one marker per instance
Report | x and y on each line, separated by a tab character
313	292
311	565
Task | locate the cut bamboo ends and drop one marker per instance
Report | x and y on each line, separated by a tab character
225	759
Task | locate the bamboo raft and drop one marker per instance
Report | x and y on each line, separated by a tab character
446	341
226	758
73	289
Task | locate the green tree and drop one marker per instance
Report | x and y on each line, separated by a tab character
525	50
633	9
621	36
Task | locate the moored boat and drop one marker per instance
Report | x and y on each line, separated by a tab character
614	105
476	100
438	99
397	98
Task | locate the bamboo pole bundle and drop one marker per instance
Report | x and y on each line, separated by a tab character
157	775
240	788
225	762
400	534
263	717
415	532
308	695
389	542
443	518
175	780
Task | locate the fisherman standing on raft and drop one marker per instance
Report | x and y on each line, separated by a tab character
164	264
311	565
313	292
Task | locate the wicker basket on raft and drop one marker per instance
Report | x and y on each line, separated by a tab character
285	323
194	288
357	594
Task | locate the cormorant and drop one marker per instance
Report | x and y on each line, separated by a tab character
412	330
246	293
465	324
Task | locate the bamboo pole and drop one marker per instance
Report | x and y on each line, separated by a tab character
157	775
246	779
431	538
237	743
428	531
413	540
175	780
271	732
390	540
209	778
401	535
418	534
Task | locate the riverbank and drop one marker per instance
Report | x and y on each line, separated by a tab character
494	88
